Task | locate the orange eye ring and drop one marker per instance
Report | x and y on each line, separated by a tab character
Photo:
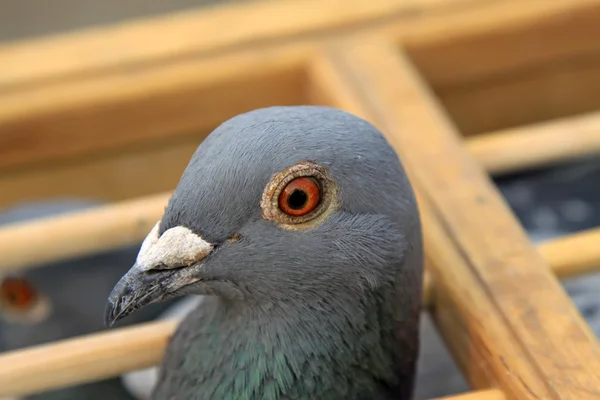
17	293
299	197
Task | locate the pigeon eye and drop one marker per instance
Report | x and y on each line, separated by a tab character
17	293
300	196
297	195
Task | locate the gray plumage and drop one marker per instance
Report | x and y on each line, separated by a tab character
328	312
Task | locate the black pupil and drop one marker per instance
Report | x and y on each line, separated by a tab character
297	199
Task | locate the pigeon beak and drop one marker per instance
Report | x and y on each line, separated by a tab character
159	271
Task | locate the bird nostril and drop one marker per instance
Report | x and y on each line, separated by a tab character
235	238
232	239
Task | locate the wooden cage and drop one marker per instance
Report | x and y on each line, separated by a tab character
461	88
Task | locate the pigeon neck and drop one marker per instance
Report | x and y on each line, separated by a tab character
289	345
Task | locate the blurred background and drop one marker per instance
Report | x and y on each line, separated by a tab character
549	201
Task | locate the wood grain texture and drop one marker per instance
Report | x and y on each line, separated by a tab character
523	37
537	145
115	87
143	106
554	91
520	71
461	305
191	33
112	96
473	27
507	318
110	177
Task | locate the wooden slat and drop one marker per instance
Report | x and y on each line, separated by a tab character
556	91
142	106
568	256
526	37
480	256
108	177
574	254
132	100
191	33
87	113
471	32
470	323
537	145
518	71
70	235
84	359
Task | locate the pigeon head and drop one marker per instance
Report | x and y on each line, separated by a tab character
20	301
283	205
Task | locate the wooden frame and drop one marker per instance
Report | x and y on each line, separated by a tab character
114	115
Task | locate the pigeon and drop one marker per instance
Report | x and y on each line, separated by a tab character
63	300
435	362
300	227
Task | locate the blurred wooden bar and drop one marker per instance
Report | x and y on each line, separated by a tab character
74	107
137	108
114	113
84	359
530	62
538	145
574	254
197	33
479	254
512	150
107	177
38	242
120	97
